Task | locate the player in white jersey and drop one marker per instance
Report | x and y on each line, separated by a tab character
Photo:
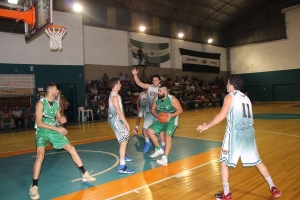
239	140
118	123
151	94
142	107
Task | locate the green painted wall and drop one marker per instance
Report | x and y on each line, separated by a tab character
281	85
59	74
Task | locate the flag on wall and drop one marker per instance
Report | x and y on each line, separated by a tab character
156	52
200	61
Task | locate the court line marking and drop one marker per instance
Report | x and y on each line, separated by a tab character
197	138
96	174
145	186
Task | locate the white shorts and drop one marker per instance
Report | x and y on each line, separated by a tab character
118	127
240	144
142	113
148	120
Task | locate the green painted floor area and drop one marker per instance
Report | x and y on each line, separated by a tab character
58	168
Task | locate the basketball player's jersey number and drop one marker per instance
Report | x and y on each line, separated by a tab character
246	114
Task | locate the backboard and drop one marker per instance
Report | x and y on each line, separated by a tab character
43	15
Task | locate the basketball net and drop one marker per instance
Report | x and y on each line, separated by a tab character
56	34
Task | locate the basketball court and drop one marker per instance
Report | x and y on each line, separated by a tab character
193	171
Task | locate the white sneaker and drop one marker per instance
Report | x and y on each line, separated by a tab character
86	177
33	192
163	161
157	153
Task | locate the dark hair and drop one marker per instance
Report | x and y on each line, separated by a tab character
236	81
163	86
50	84
156	76
113	81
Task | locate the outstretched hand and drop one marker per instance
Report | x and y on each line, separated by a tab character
202	127
134	71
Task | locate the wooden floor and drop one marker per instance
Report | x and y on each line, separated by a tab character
278	143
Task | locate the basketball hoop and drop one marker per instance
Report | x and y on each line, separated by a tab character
56	34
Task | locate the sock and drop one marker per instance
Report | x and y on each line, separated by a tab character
163	143
166	156
147	139
270	182
137	127
82	169
226	188
157	147
122	161
35	182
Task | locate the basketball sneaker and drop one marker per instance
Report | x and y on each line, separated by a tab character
157	153
275	192
86	177
147	146
33	192
222	196
163	161
127	159
123	169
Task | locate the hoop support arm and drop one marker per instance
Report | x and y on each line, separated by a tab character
26	16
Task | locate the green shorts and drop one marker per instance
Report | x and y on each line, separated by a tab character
169	127
55	138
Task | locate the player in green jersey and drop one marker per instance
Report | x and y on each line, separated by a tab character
169	104
47	111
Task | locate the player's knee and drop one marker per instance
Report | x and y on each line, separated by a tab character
40	157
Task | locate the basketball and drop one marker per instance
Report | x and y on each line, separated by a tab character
163	117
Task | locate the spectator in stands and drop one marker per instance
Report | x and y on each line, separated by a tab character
102	110
127	79
121	77
105	79
66	107
6	117
28	116
18	117
127	104
94	93
144	78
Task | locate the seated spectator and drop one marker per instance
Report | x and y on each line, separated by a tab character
18	117
102	110
66	107
6	117
94	93
28	116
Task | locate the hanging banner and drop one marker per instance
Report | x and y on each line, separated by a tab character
153	52
200	61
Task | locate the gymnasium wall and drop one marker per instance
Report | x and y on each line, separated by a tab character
271	69
109	48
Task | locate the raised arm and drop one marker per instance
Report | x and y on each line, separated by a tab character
137	80
115	102
219	117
